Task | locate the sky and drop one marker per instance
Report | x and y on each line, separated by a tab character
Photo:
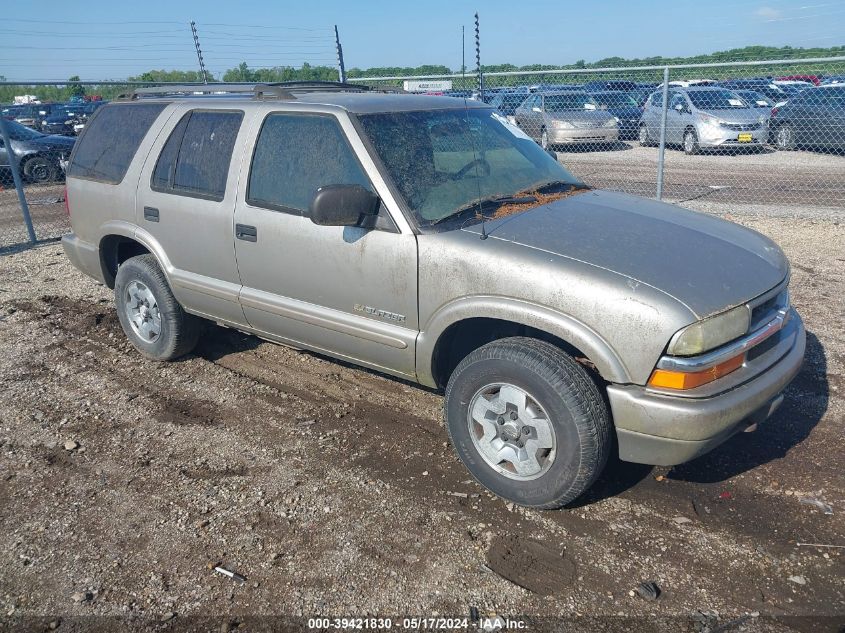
96	39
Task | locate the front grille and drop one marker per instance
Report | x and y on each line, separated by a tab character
742	127
766	311
587	124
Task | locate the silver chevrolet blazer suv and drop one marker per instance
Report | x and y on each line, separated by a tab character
427	238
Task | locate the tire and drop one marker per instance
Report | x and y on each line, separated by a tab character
643	136
785	137
152	319
566	436
544	139
40	169
690	142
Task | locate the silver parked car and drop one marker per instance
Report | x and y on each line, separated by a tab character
564	118
706	117
427	238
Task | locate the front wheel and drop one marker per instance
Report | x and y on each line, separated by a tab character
151	317
690	142
544	139
643	136
40	169
528	422
785	137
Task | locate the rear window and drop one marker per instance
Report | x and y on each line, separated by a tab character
195	160
110	141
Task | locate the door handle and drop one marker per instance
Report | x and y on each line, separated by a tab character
246	233
151	214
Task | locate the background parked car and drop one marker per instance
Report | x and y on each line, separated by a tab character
39	155
763	86
62	120
811	79
815	118
10	112
507	103
33	115
755	100
565	118
704	117
624	85
624	107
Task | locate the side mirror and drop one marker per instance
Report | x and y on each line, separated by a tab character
536	109
680	108
342	205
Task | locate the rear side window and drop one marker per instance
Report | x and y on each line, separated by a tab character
110	141
195	160
297	154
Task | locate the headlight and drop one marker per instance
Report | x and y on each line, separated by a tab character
710	333
709	119
611	122
562	125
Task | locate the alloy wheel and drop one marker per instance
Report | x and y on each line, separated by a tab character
511	431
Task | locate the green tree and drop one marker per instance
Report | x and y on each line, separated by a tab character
76	90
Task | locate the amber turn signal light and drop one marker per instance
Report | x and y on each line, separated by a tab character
679	380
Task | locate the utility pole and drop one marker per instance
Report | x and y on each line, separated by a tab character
203	72
341	70
479	78
463	58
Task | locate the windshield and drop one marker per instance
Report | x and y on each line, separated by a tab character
18	132
614	100
568	102
716	100
441	161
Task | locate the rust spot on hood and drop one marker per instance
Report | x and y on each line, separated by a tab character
541	199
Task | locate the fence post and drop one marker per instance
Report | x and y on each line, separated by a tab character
14	166
662	149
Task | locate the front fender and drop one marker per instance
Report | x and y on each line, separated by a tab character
558	324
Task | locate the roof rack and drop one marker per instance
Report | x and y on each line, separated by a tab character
280	90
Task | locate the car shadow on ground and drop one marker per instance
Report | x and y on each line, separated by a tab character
805	404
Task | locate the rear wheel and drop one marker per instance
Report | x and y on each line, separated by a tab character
691	142
151	317
785	137
528	422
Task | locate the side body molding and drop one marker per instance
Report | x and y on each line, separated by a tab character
542	318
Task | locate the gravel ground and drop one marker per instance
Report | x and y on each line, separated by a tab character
333	490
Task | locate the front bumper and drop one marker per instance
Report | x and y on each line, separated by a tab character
664	430
713	136
583	135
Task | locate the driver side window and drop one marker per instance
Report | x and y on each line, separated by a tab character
295	155
676	100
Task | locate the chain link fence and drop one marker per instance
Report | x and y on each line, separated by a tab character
39	123
758	135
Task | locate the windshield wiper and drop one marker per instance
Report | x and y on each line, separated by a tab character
480	204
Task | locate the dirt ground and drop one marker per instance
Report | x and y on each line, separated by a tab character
334	492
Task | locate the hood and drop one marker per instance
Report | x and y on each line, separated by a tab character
51	141
740	115
706	263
